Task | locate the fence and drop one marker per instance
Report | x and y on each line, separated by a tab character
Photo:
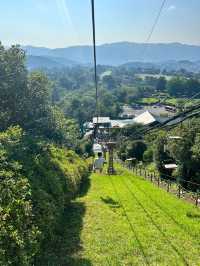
167	184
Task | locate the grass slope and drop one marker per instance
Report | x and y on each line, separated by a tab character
129	221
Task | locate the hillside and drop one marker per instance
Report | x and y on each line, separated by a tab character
37	62
122	52
125	220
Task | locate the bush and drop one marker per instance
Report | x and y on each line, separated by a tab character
39	180
148	155
136	149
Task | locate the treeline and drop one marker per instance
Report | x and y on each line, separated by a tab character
73	89
180	146
39	170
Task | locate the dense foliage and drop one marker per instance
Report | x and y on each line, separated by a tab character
39	174
181	147
73	89
38	180
25	100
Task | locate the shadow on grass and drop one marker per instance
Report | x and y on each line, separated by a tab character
112	203
85	185
65	247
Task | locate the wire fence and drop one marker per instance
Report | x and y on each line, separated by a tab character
171	186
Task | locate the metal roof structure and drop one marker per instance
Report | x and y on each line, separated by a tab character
101	120
147	118
171	166
121	123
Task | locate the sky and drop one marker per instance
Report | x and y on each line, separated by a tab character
63	23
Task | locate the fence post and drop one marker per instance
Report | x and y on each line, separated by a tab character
168	185
151	176
158	181
145	173
179	191
197	198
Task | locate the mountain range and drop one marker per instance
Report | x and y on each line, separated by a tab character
112	54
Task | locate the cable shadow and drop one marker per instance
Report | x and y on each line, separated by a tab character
163	210
130	224
156	225
110	202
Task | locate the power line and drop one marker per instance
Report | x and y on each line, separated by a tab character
154	26
95	57
181	116
156	21
191	98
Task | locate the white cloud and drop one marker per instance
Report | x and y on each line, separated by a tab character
171	8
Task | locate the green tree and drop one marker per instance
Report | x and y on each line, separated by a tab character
136	149
109	82
176	86
161	84
13	85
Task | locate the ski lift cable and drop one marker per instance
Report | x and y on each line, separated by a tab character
180	115
95	59
153	26
191	98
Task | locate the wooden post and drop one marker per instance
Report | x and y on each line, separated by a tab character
111	170
179	191
151	177
168	185
197	199
158	181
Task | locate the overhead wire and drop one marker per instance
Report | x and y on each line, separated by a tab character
95	61
153	27
184	115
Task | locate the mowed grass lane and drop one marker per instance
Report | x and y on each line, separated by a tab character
129	221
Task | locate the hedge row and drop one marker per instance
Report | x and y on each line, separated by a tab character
38	181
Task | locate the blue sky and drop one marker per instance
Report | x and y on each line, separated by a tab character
62	23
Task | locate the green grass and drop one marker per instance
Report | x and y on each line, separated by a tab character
170	101
150	100
174	101
129	221
142	76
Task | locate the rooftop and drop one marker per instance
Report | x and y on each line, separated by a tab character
145	118
101	120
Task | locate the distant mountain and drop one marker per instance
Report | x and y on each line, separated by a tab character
121	53
47	62
190	66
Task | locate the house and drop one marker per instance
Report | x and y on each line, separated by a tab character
147	118
121	123
102	122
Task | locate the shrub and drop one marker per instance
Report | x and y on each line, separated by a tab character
39	181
